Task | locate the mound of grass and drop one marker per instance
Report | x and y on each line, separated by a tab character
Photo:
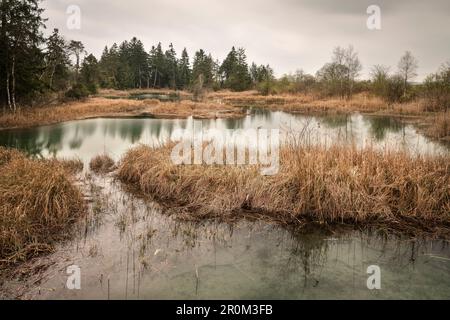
340	184
38	204
102	164
440	128
73	166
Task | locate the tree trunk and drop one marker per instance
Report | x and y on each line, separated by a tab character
156	76
77	68
405	86
8	93
51	76
13	72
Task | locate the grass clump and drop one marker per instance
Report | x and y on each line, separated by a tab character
38	203
73	166
440	129
102	164
341	184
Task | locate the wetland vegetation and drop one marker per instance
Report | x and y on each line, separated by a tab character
86	174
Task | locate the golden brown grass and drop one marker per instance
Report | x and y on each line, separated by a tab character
38	202
102	164
204	110
440	128
310	103
73	166
336	185
103	107
127	93
94	107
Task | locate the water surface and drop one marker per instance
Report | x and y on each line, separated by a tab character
87	138
130	250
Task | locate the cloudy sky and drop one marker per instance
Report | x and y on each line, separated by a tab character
287	34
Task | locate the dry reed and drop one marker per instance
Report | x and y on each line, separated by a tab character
340	184
440	128
102	164
94	107
38	202
204	110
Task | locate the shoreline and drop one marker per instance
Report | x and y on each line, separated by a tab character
122	108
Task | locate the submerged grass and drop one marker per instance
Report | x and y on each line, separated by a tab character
341	184
38	202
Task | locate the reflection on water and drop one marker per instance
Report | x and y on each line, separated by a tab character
85	139
138	253
133	251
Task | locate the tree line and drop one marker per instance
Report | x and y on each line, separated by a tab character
34	68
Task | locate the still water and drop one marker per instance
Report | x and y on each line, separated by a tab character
128	249
88	138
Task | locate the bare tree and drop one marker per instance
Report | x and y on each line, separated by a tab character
354	67
407	68
348	66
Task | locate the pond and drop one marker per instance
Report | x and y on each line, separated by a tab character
88	138
128	249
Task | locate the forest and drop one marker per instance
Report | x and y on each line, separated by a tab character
35	69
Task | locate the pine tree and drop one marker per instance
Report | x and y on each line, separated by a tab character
21	58
90	73
171	67
184	70
57	62
157	66
234	71
203	67
138	62
77	49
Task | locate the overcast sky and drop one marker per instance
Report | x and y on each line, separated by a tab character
287	34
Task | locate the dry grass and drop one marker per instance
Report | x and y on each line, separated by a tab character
102	164
201	110
73	166
310	103
103	107
127	93
94	107
440	127
38	202
336	185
